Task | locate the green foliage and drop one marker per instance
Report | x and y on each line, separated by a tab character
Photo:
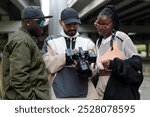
141	48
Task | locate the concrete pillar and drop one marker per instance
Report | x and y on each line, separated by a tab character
56	6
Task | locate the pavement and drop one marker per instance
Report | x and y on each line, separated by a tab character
145	88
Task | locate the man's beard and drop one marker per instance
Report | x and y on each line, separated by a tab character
71	32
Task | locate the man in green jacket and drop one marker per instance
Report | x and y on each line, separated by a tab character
23	70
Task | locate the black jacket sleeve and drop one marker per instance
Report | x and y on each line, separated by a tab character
125	79
129	70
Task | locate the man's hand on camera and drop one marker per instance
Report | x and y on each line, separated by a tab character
69	60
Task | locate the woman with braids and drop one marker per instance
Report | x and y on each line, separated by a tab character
120	67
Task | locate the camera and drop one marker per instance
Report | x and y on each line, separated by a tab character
83	58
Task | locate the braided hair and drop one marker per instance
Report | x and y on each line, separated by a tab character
111	12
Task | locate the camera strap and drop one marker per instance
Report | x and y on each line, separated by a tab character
70	42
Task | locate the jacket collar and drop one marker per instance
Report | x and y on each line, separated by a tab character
25	30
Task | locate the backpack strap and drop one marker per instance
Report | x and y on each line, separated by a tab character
121	42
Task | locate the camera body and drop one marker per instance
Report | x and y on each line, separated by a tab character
83	58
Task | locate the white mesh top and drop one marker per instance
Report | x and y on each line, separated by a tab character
124	43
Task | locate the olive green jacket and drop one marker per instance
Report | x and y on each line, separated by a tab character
23	70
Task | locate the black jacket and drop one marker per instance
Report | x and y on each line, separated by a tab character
125	79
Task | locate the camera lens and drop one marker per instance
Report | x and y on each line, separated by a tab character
83	68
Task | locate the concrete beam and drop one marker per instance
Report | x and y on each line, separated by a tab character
20	4
124	3
137	29
70	3
95	4
128	29
146	11
139	6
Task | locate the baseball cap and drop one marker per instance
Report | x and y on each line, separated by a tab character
33	12
69	15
